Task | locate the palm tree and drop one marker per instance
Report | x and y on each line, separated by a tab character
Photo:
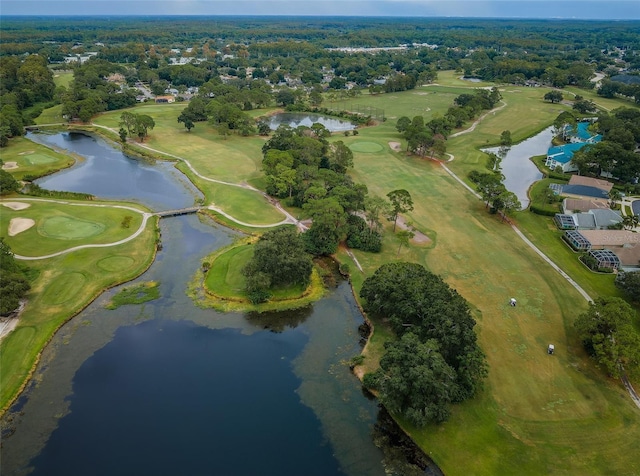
614	196
630	221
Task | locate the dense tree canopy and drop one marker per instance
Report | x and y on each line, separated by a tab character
419	302
13	282
279	259
607	332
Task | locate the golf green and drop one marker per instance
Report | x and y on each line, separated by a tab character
115	263
38	159
365	147
69	228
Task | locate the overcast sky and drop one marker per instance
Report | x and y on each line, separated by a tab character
579	9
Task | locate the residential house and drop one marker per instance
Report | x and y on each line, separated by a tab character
585	188
624	244
596	219
165	99
577	138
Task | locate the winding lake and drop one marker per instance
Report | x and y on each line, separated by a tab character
305	119
520	172
167	388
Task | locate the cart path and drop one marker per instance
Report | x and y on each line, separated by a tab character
625	381
289	219
477	121
135	234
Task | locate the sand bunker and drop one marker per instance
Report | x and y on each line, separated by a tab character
27	152
418	236
16	205
18	225
9	165
395	146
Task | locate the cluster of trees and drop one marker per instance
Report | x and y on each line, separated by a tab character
611	89
429	138
26	85
8	183
279	259
436	359
615	154
607	333
301	166
629	283
495	195
225	105
135	124
13	281
90	93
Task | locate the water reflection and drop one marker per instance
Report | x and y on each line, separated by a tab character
279	321
304	119
520	172
108	173
194	391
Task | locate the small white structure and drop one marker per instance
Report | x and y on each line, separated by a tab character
550	349
512	301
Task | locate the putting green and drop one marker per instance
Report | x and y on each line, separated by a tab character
69	228
115	263
64	288
38	159
365	147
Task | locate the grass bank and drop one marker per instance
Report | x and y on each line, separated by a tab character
537	413
64	286
220	284
32	160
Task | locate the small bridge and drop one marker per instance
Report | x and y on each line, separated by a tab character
180	211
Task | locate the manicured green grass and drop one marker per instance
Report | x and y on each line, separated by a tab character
33	159
138	294
537	412
234	159
225	278
64	286
224	284
61	226
52	115
62	78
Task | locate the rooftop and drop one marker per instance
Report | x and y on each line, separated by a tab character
564	153
591	182
584	191
611	237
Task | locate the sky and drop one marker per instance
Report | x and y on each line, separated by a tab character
568	9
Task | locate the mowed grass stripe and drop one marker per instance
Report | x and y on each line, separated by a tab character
487	263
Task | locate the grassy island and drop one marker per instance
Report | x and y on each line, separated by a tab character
224	284
536	413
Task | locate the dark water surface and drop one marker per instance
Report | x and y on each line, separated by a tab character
170	388
305	119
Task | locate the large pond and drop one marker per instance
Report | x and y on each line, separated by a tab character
107	173
168	388
305	119
518	170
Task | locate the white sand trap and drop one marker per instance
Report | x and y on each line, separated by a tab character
16	205
18	225
27	152
9	165
395	146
